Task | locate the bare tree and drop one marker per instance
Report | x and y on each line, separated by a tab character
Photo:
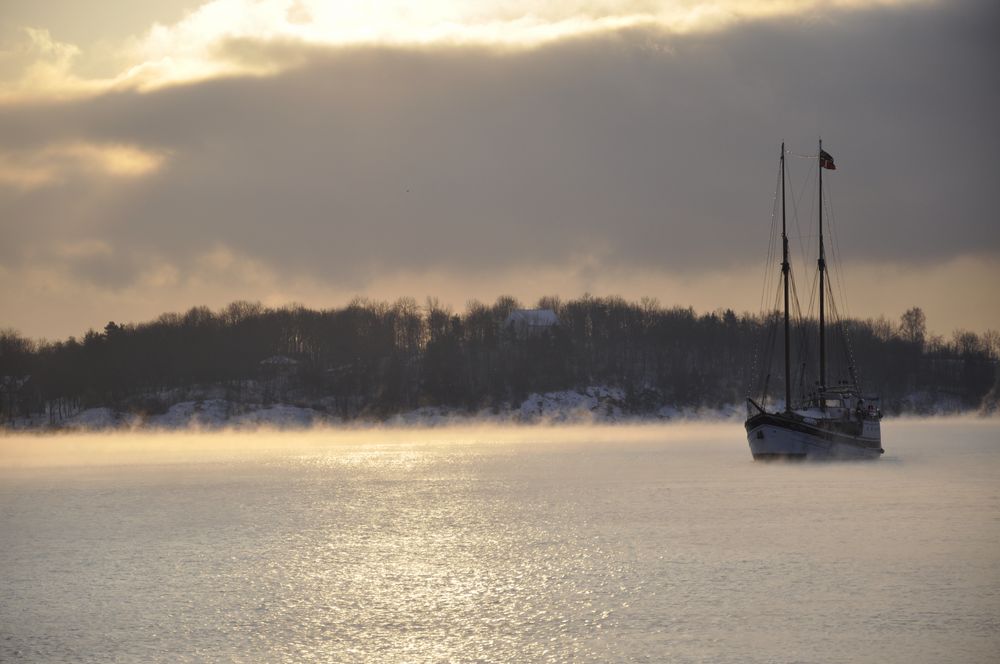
913	326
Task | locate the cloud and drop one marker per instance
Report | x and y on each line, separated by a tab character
631	152
195	47
33	168
31	61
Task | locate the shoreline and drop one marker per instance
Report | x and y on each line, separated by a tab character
590	406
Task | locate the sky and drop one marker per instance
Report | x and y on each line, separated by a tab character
160	155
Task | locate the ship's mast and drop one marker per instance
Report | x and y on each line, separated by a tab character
784	272
822	280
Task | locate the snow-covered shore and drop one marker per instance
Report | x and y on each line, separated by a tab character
593	404
604	405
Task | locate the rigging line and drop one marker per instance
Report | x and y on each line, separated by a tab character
769	351
760	345
834	239
798	307
834	236
768	325
835	317
795	294
841	283
764	363
804	332
833	320
842	288
802	327
753	365
838	318
795	217
810	184
848	347
805	335
771	243
812	293
838	263
811	258
840	321
801	344
808	257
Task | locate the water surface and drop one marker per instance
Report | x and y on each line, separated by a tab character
652	543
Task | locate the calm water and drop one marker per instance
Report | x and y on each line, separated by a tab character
659	543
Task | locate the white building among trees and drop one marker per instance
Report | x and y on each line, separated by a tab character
530	322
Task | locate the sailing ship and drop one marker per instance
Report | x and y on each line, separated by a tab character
833	421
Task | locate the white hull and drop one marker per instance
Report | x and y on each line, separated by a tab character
770	439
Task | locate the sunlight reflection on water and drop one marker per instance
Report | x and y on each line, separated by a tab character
645	543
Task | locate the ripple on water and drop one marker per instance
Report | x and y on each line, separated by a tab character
651	546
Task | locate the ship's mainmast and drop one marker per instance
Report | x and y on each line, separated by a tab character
784	272
822	280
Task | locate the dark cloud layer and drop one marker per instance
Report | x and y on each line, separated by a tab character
638	149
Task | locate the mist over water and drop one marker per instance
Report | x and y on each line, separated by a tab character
591	543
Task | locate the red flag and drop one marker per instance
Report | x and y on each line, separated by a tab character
826	161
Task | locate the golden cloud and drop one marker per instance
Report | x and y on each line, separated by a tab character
194	48
29	169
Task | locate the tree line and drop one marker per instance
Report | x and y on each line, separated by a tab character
374	359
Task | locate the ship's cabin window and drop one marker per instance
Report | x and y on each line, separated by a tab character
834	403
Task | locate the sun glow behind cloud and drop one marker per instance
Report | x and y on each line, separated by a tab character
29	169
464	151
197	46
